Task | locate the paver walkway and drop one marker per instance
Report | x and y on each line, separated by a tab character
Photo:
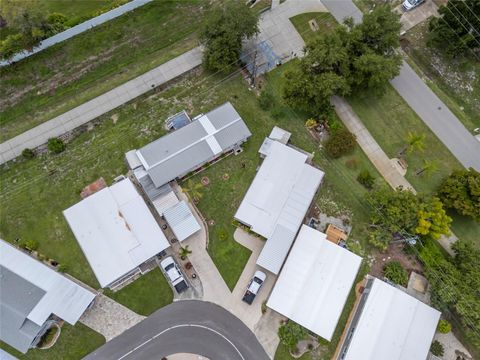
100	105
368	144
109	318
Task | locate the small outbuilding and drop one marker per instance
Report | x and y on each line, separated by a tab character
315	281
181	220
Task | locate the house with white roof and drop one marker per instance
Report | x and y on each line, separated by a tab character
33	296
278	199
116	231
389	324
315	282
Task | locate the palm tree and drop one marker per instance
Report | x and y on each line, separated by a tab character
184	252
414	142
193	190
428	169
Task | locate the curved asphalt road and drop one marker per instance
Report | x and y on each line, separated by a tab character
189	326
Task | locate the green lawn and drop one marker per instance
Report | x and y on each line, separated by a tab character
145	295
466	228
74	343
70	73
325	21
75	8
455	81
389	119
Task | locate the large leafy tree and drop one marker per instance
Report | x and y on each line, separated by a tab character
222	35
457	30
350	59
461	191
404	212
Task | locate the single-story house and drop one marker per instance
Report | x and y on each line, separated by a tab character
314	283
184	150
278	199
30	294
116	231
389	324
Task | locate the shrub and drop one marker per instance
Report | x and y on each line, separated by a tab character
444	326
437	348
340	142
290	334
266	100
56	23
11	45
394	271
56	145
29	244
311	123
366	179
28	153
264	306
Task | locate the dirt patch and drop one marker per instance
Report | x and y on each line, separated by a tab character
394	252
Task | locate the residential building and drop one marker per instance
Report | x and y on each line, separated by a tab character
33	297
191	146
278	199
389	324
117	233
315	282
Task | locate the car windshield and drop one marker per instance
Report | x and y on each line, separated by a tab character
168	267
257	280
412	2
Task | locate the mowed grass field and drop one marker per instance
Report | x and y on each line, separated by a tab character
70	73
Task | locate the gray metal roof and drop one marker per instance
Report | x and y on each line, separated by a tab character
168	145
180	164
181	220
200	141
220	116
148	186
31	292
17	298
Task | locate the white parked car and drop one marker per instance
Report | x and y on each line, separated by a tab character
254	286
174	274
411	4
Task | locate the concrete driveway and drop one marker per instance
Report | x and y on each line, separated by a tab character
415	16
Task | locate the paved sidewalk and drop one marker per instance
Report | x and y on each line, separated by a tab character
451	345
368	144
100	105
109	318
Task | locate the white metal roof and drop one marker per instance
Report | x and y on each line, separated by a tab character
392	325
181	220
278	200
165	201
63	297
116	231
315	282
